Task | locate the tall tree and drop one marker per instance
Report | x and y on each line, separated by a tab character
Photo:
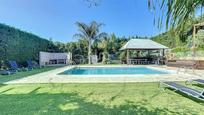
90	32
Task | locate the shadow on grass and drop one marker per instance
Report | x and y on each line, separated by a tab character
2	85
70	103
6	90
35	90
19	75
119	93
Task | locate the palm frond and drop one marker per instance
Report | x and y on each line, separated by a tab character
102	35
79	36
83	28
177	12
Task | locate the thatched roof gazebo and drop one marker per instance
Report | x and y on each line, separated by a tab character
141	45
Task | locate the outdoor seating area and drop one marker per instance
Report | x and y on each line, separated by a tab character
138	61
144	51
13	67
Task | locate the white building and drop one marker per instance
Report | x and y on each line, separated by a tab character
47	58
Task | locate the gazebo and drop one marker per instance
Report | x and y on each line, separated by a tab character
142	45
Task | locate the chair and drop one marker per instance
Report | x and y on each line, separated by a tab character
30	65
186	90
14	66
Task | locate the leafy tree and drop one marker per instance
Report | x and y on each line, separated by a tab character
95	48
200	39
89	32
104	44
113	44
60	47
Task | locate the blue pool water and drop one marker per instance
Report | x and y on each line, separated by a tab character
112	71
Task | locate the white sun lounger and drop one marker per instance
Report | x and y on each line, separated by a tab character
186	90
199	81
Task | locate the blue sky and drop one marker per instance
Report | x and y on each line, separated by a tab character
56	18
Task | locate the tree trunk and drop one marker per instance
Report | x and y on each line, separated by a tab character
89	51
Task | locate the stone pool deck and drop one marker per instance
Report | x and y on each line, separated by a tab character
54	77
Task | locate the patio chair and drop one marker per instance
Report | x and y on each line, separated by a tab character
30	64
186	90
14	66
7	72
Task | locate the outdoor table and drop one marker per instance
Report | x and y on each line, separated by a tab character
138	61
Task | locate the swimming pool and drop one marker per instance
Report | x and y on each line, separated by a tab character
112	71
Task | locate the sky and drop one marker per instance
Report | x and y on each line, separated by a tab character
56	19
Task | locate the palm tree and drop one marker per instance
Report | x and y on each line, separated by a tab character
90	33
176	12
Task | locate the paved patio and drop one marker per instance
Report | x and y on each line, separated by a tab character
54	77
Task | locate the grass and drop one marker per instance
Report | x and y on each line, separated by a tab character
18	75
93	99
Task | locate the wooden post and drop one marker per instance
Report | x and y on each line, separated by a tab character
163	57
194	32
148	53
127	57
163	53
148	56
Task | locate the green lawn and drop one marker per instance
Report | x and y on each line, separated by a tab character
92	99
86	99
18	75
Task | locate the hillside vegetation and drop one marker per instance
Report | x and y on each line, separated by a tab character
19	45
180	39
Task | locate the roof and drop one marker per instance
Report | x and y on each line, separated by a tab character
142	44
52	55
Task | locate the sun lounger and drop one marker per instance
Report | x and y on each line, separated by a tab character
199	81
30	65
14	66
6	72
186	90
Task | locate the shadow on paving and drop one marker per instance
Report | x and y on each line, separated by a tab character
70	103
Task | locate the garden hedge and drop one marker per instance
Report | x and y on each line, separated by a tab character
20	45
